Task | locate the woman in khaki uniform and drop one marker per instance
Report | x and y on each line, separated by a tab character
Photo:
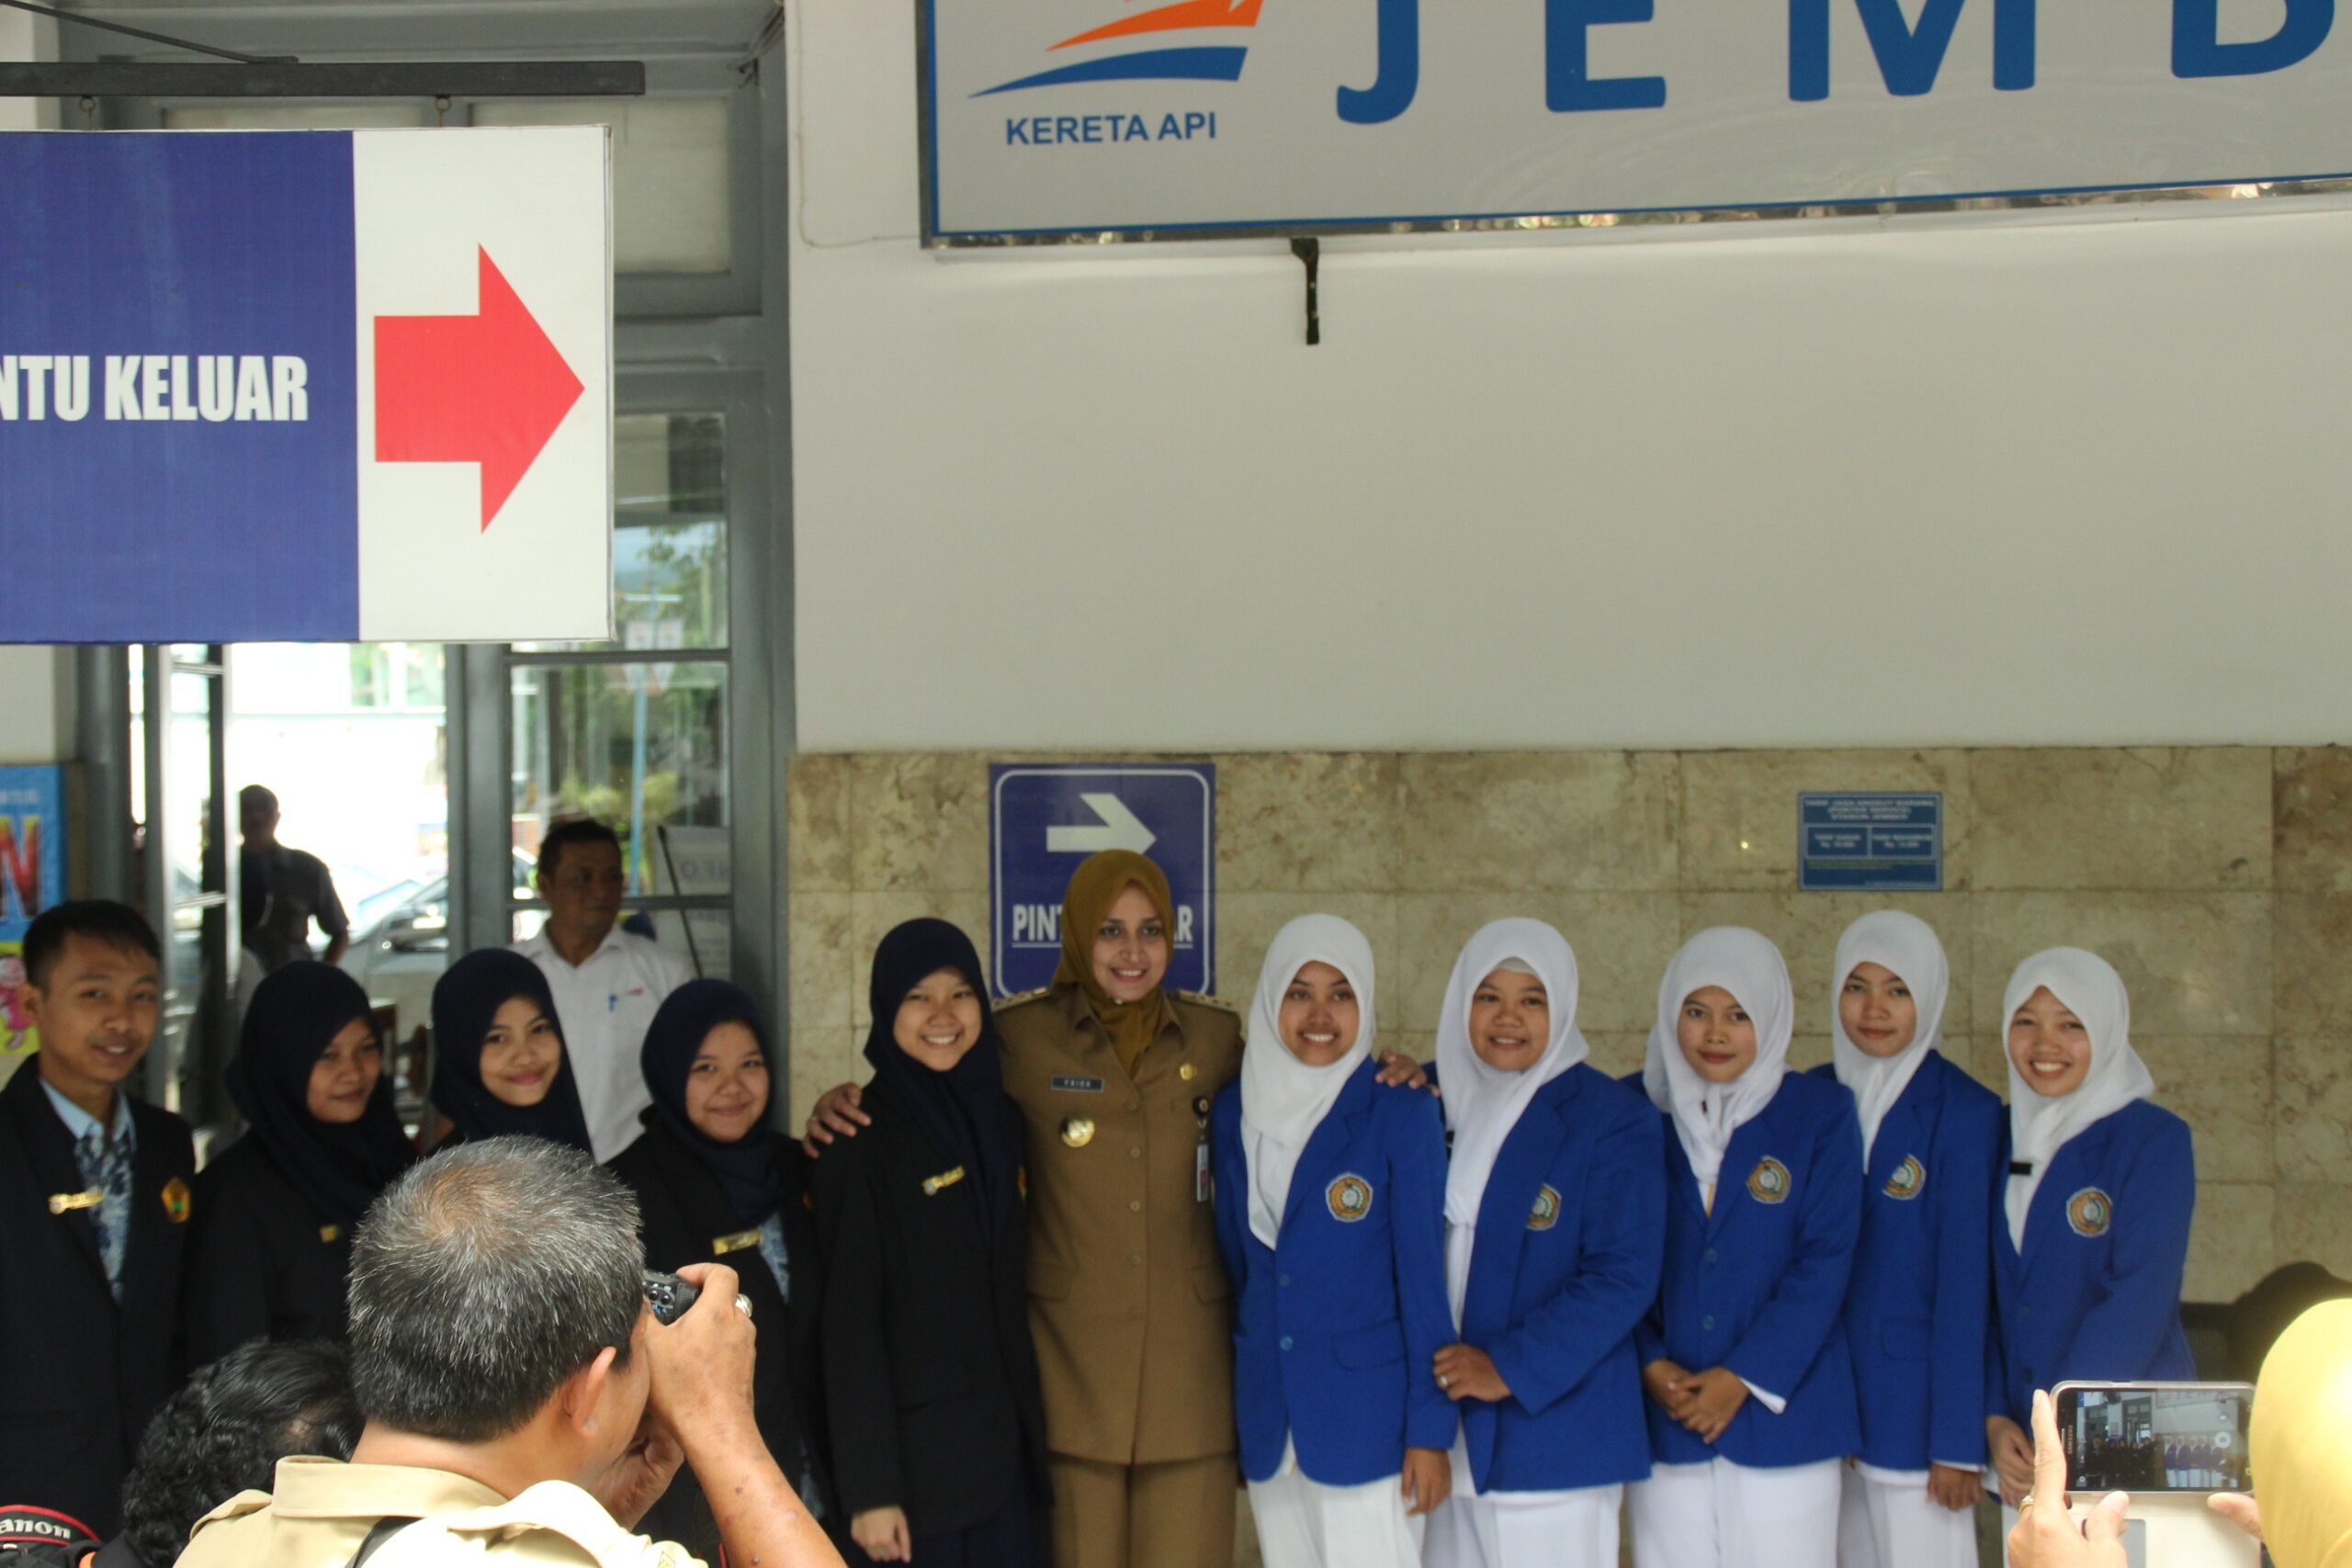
1113	1075
1129	1303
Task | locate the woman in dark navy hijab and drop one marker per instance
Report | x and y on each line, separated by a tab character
930	1384
715	1183
499	1061
270	1243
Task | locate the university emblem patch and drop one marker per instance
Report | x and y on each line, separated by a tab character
1908	1178
2090	1212
1768	1182
175	1198
1350	1197
1547	1212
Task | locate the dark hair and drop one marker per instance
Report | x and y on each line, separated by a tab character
485	1277
225	1432
103	920
261	793
577	831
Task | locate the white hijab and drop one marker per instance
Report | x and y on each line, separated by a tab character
1745	964
1282	1099
1907	945
2039	1124
1483	1104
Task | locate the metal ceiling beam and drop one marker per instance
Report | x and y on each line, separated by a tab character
273	79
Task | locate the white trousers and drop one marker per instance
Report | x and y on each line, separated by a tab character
1565	1529
1887	1521
1304	1524
1721	1515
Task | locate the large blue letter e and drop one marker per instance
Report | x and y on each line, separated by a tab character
2198	49
1568	83
1400	68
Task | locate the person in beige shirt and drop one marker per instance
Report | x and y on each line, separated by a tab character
523	1404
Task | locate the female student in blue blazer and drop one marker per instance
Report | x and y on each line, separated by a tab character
1917	1308
1329	1199
2093	1231
1744	1357
1554	1209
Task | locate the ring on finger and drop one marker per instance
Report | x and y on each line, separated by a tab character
1444	1381
2025	1505
744	1305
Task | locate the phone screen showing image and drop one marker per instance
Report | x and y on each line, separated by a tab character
2154	1437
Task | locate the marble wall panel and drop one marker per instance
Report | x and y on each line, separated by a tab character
2194	962
824	960
2231	1243
1308	823
816	830
2314	1223
2311	935
919	822
2311	819
2222	1088
1806	926
1739	809
1621	941
2314	1125
2122	818
822	1058
1582	821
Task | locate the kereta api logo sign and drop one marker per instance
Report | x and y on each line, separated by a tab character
1188	62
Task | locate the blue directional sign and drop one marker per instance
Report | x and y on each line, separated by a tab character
313	385
1044	818
1881	843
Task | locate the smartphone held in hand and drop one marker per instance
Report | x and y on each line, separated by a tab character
2154	1437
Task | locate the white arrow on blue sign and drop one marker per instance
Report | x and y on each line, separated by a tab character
1046	819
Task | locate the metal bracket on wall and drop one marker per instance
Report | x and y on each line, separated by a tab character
229	74
1310	251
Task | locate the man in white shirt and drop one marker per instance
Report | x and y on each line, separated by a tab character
608	982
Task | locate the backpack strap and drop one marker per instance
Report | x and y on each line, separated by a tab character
386	1528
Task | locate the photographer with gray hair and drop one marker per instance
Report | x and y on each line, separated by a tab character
523	1404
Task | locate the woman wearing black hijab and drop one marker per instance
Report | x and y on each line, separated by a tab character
930	1379
500	1063
715	1183
270	1242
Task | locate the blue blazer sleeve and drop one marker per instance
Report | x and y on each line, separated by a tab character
1957	1379
1416	1180
1231	1172
1810	1301
1555	1348
2122	1336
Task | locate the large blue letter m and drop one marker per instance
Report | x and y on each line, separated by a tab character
1909	57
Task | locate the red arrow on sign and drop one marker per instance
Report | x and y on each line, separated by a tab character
487	388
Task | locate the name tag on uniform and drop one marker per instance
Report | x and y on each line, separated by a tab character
1201	1183
720	1246
932	1185
1075	1085
66	1202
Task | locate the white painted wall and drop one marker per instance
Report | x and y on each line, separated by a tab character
2077	482
36	712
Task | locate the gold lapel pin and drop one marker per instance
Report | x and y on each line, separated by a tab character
934	1185
1077	1131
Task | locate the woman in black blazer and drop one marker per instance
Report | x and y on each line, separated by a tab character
269	1244
931	1383
715	1183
